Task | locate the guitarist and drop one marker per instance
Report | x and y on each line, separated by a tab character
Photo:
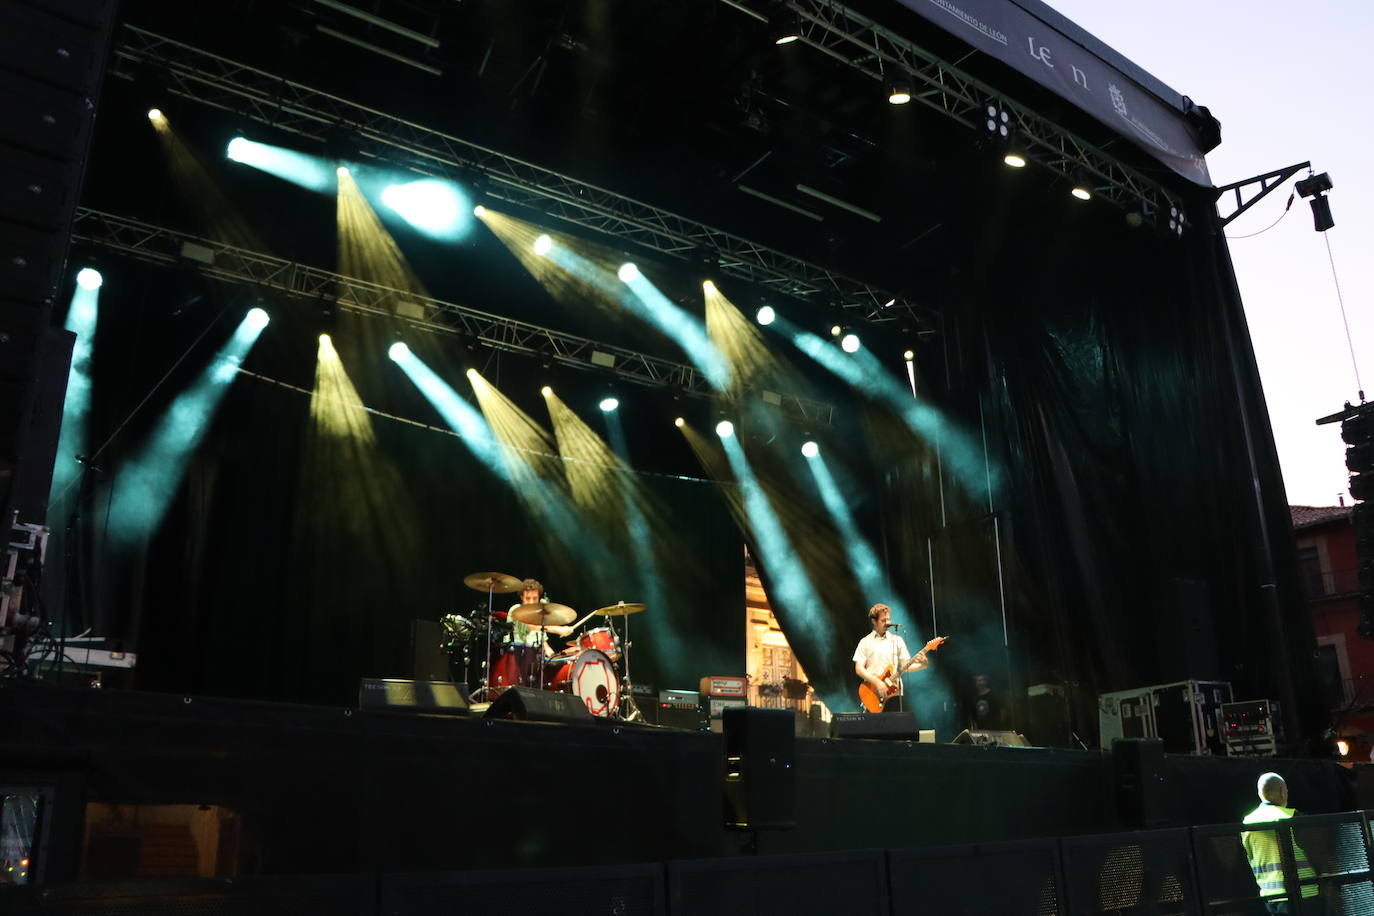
882	652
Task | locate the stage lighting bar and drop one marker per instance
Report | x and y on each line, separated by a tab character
218	82
159	245
863	45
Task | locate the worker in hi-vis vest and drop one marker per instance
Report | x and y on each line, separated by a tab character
1262	849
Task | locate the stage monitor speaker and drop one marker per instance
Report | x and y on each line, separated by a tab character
900	726
397	695
1140	782
760	779
527	704
989	738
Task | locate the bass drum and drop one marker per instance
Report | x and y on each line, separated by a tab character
595	681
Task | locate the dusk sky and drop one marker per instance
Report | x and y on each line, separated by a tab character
1288	84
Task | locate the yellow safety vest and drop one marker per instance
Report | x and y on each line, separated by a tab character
1262	849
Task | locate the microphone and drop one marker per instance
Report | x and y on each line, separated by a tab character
895	626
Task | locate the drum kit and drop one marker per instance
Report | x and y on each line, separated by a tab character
587	668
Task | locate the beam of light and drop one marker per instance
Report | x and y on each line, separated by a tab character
790	580
366	249
149	481
461	417
436	207
738	339
644	300
962	454
221	218
610	496
82	314
301	169
575	291
341	445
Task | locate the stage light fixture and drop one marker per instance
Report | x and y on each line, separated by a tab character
479	211
398	351
1080	187
257	319
810	449
546	391
238	148
608	405
849	343
898	91
1342	747
628	273
785	25
766	315
908	356
543	245
679	422
1015	160
836	330
998	121
342	171
326	340
471	373
89	278
155	115
1177	221
725	429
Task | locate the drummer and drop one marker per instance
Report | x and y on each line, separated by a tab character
532	592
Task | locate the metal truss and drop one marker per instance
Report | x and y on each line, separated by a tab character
248	92
231	264
879	53
1267	182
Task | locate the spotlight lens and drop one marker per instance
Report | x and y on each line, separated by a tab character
725	429
609	404
1015	160
543	245
546	391
849	343
836	330
1081	193
479	211
708	286
237	149
810	449
471	373
155	114
398	351
766	315
342	171
326	340
628	273
257	319
899	97
908	356
89	278
786	39
679	422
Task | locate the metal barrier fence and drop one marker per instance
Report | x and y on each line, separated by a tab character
1195	871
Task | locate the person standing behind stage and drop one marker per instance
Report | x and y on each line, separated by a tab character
532	592
880	650
1262	849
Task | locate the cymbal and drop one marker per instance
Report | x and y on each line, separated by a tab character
544	613
498	583
620	609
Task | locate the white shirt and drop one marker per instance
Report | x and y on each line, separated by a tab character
876	653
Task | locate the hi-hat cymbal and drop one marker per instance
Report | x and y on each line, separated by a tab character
620	609
544	613
497	583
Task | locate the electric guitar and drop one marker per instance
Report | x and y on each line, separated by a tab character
893	682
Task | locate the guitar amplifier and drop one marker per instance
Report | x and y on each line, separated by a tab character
679	709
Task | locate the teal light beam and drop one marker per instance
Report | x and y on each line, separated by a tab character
463	418
82	314
301	169
148	483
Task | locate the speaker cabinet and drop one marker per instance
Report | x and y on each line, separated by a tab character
397	695
760	779
1140	782
900	726
527	704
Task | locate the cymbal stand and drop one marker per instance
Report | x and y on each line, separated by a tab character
627	685
485	689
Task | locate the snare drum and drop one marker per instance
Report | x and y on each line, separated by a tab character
602	640
514	665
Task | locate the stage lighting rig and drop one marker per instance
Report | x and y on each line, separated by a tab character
784	25
1314	188
899	90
